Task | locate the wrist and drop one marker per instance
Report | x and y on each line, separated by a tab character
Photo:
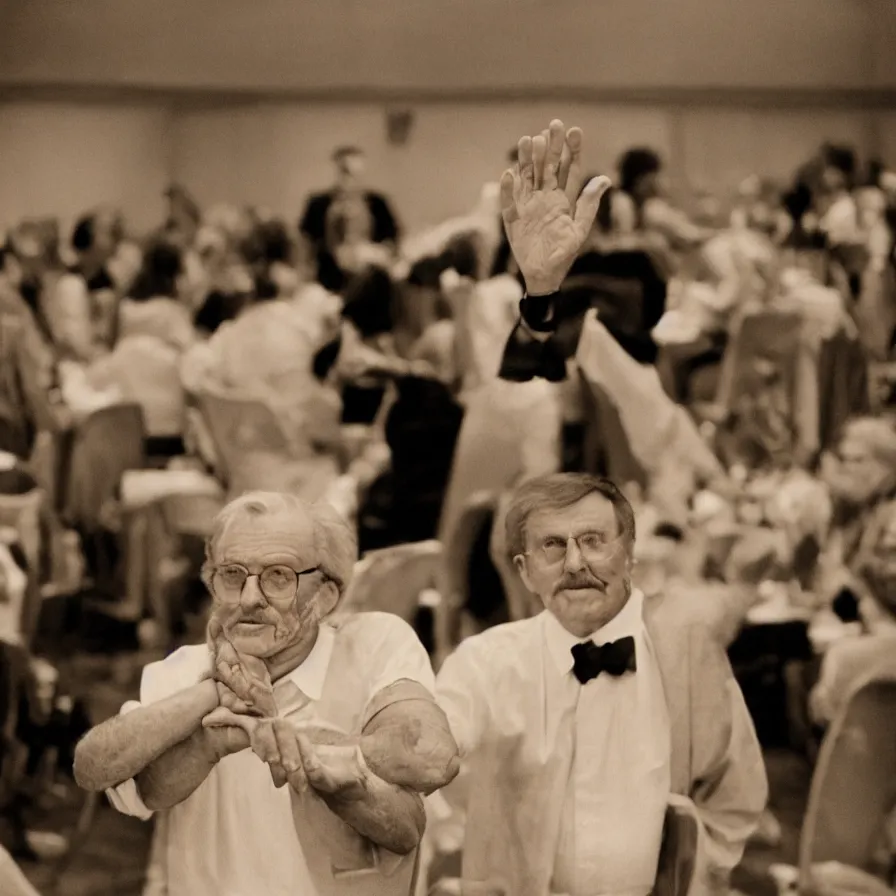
537	290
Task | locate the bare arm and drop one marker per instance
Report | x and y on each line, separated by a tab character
172	777
390	816
408	742
122	747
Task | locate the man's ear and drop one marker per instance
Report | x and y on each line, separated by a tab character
520	563
327	597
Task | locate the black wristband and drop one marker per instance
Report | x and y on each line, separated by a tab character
537	312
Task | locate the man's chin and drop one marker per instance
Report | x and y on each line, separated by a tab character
254	639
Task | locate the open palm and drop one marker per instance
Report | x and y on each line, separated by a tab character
545	218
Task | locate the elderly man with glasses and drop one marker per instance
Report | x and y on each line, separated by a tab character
285	692
581	728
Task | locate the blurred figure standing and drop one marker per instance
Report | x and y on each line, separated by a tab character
346	214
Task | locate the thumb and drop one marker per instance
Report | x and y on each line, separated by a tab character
589	201
224	718
508	202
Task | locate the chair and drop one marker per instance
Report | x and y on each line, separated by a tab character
758	385
106	445
509	430
254	451
853	789
391	580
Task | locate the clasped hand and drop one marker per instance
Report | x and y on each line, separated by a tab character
332	771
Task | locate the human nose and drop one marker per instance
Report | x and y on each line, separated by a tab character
574	560
251	597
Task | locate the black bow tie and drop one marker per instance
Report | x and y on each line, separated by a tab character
525	358
616	658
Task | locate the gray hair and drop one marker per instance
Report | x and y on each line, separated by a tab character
558	491
334	540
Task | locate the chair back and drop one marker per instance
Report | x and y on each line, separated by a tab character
509	430
248	439
391	580
853	787
758	382
106	445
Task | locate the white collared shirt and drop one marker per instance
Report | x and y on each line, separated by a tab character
611	820
237	834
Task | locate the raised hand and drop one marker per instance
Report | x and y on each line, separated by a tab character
546	220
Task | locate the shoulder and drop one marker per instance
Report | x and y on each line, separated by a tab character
179	670
500	648
373	631
383	648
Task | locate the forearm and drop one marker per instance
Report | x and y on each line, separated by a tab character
392	817
172	777
122	747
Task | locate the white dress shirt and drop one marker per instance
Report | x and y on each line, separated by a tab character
612	813
237	834
615	804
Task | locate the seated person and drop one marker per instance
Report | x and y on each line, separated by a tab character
862	479
421	430
83	303
155	329
851	660
365	350
267	353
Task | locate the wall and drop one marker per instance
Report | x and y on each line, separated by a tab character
438	45
61	158
105	100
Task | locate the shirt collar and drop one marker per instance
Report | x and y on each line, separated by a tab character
628	621
310	676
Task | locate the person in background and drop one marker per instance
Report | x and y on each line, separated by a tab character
267	352
183	218
83	305
641	185
346	213
850	660
862	479
155	330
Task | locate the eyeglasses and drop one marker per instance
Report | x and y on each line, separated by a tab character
594	547
278	584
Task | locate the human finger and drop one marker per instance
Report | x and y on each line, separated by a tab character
509	183
527	165
224	718
587	205
573	176
556	140
278	774
290	755
539	151
317	774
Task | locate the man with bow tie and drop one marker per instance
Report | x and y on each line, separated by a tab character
579	727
